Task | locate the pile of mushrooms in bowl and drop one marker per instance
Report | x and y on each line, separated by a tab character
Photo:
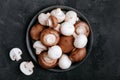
59	38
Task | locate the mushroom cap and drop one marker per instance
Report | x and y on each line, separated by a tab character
49	37
46	62
15	54
52	22
66	43
78	55
80	41
26	67
67	29
35	31
82	28
71	16
59	14
42	18
39	47
55	52
64	62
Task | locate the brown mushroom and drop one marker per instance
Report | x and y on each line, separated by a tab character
78	55
45	61
66	43
35	31
52	22
49	37
82	27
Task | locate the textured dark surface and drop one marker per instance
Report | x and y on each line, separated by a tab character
102	64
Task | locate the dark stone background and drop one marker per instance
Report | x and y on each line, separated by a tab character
104	60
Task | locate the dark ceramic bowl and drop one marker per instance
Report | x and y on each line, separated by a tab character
30	42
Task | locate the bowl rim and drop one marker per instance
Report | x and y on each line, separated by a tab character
51	8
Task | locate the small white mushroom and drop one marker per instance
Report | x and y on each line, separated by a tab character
27	67
55	52
71	17
64	62
80	41
39	47
67	28
59	14
42	18
15	54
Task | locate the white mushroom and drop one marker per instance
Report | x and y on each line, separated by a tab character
39	47
27	67
64	62
80	41
42	18
67	28
59	14
15	54
55	52
71	17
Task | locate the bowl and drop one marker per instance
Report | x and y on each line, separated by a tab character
30	41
